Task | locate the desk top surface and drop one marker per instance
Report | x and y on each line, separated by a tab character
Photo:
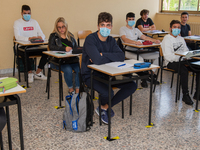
16	90
141	46
28	43
56	55
115	35
184	53
113	71
155	32
192	38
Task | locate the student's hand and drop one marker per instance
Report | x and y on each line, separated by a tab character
138	43
157	41
33	37
90	60
39	37
101	54
67	49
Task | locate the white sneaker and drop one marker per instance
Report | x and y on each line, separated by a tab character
40	76
30	78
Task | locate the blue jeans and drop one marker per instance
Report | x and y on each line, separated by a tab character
67	69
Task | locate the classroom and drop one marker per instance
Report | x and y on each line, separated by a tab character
175	124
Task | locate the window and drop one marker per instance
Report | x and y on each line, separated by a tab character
181	5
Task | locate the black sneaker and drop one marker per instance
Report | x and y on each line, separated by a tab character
144	83
186	98
154	79
195	96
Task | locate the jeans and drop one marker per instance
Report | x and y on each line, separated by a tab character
2	119
67	69
126	89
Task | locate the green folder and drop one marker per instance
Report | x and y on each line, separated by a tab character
7	83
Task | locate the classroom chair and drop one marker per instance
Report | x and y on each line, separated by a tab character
82	35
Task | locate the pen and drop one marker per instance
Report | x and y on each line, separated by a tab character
65	44
121	65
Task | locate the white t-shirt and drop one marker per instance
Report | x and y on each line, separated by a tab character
132	34
25	29
170	45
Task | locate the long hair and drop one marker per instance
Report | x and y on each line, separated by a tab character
67	33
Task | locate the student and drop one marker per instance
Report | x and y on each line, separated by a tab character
145	23
100	48
26	29
62	40
174	43
185	30
129	34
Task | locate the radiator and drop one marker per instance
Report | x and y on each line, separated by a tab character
195	28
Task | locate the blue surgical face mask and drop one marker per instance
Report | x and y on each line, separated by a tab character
105	32
131	23
27	17
176	31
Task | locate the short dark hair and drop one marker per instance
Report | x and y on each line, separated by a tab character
130	15
25	7
174	22
104	17
184	13
144	12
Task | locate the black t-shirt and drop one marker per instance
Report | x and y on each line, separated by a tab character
185	29
146	24
67	42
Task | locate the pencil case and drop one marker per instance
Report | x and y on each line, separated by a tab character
147	43
7	83
142	65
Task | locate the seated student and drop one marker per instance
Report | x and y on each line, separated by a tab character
174	43
145	23
26	29
62	40
185	29
100	48
129	34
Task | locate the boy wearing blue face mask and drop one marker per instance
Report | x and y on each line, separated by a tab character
129	34
26	29
100	48
174	43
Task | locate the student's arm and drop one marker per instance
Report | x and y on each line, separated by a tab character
17	32
189	33
92	51
52	44
40	34
143	37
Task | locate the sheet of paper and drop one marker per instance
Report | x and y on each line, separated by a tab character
120	65
192	37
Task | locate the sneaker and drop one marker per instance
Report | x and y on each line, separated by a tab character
154	79
30	78
186	98
40	76
195	96
71	93
104	115
144	83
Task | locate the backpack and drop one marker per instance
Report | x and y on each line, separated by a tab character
79	111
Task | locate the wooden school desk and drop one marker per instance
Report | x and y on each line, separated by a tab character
114	71
16	90
59	57
27	49
194	38
155	32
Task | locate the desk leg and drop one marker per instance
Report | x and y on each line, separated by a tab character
60	82
150	99
8	128
109	109
18	63
20	122
26	67
92	93
198	87
1	141
177	83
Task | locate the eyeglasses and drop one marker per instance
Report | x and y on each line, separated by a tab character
61	27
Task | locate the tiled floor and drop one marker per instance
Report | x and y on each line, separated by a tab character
177	126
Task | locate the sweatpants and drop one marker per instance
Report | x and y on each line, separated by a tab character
126	89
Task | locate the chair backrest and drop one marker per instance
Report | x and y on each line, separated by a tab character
161	53
119	43
82	35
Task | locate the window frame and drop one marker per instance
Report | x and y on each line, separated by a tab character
180	11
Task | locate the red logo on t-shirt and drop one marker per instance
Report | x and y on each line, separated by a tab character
28	28
146	25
